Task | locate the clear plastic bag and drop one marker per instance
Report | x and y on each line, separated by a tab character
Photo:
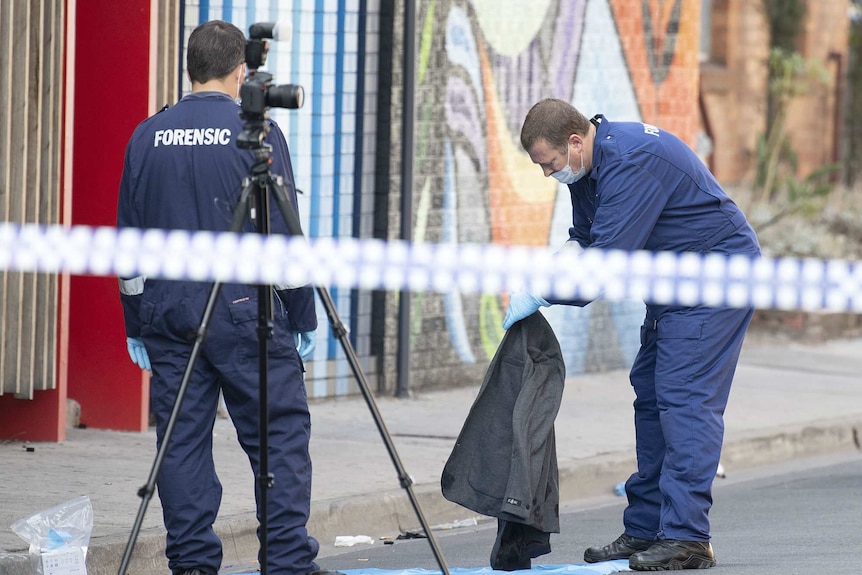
59	537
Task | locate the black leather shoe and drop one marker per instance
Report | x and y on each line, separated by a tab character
670	554
622	548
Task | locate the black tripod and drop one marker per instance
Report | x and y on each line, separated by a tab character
254	203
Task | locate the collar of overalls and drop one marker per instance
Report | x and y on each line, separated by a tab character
596	121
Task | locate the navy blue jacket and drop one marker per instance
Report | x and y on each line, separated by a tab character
183	170
647	190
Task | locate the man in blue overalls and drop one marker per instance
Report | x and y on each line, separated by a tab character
634	186
184	170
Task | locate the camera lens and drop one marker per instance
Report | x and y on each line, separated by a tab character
285	96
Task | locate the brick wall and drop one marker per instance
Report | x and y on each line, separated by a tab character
734	79
733	88
815	118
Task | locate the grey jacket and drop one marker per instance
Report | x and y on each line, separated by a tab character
504	463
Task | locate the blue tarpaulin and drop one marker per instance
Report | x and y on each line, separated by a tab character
602	568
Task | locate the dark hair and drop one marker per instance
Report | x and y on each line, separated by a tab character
215	49
554	121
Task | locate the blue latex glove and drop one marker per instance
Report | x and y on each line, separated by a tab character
138	352
521	305
305	344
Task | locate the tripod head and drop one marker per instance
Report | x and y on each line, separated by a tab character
257	93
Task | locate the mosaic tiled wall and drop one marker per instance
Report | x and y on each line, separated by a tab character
332	52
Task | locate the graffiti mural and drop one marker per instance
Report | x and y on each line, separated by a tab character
483	64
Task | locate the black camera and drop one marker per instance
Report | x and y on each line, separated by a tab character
257	93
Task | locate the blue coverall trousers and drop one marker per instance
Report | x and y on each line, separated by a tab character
681	378
188	487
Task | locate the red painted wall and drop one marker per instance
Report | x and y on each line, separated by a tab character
111	97
39	419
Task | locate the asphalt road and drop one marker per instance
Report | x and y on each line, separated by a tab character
802	517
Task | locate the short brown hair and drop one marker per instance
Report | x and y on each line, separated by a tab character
552	120
215	49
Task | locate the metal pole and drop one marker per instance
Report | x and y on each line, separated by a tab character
407	115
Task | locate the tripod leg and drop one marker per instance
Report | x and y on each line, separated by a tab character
146	492
264	333
292	220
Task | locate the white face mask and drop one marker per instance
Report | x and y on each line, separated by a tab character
566	175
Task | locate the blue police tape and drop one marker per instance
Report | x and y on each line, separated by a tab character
655	277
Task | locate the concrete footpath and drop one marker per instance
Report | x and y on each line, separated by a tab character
788	401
